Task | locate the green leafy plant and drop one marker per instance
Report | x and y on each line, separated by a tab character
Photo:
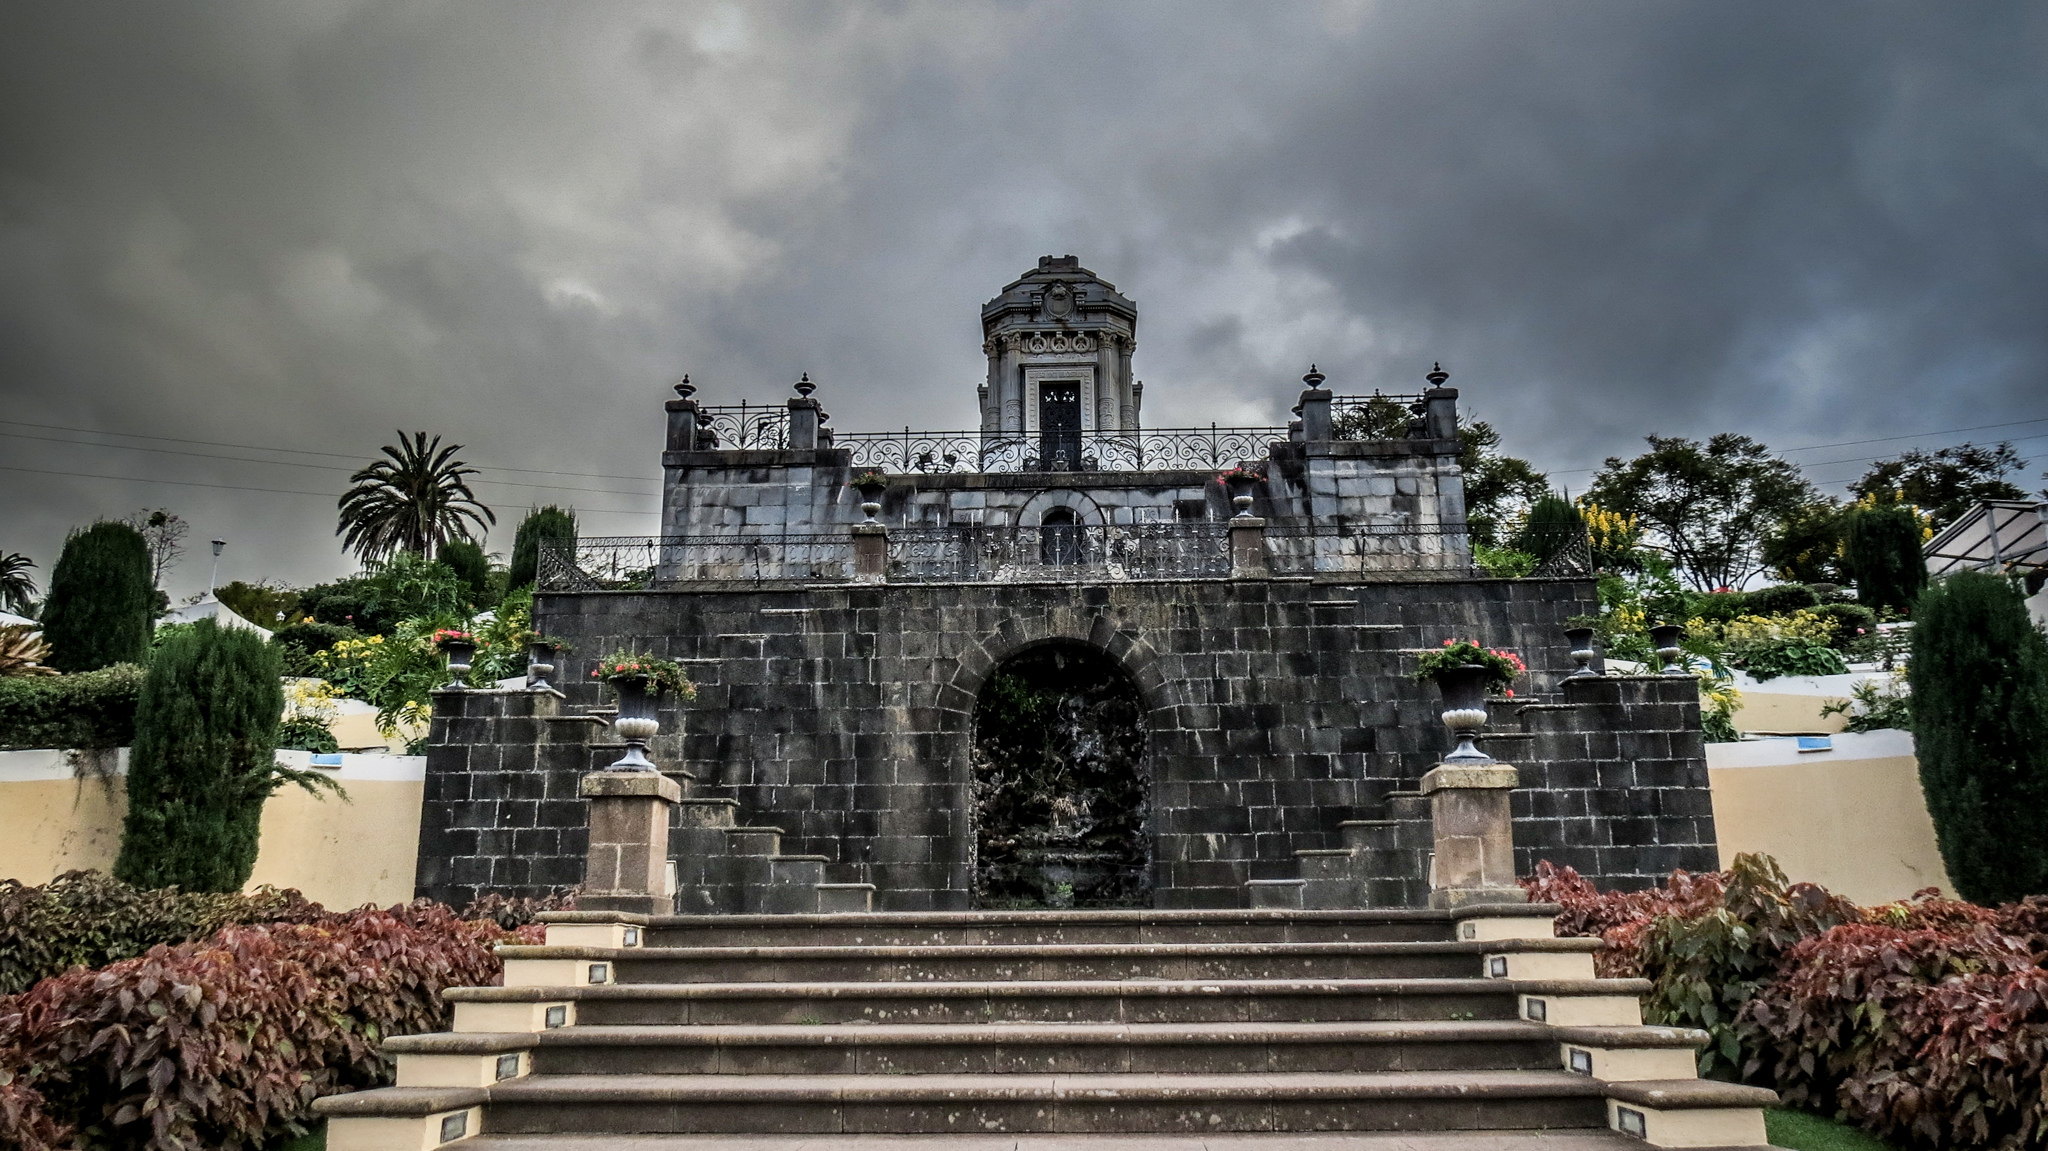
663	676
1380	417
472	567
204	762
1552	525
1979	676
1502	667
1792	657
1502	563
415	499
17	587
101	599
869	478
1244	474
1875	705
262	604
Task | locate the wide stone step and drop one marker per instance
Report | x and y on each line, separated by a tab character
1067	1001
920	1104
902	929
1024	1048
1065	961
1518	1140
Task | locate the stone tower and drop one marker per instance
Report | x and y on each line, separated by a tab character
1059	342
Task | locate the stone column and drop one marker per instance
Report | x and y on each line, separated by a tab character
1315	414
1440	413
1109	384
870	552
804	414
1474	835
627	866
682	425
1010	387
1247	547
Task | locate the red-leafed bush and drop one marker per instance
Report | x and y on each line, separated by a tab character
226	1042
1923	1020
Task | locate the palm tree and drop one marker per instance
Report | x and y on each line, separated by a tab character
415	500
17	589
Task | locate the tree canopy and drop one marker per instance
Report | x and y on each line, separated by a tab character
1709	506
1944	483
101	599
1498	488
414	500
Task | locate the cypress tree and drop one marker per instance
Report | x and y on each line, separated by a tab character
1554	524
540	524
1979	675
1884	557
101	599
468	562
204	761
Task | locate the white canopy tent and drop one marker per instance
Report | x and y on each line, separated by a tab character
211	608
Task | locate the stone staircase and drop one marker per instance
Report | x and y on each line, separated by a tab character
1259	1025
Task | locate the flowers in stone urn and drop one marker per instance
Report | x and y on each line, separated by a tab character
1241	480
871	483
460	648
1466	674
640	681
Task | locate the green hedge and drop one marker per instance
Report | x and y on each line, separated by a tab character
90	709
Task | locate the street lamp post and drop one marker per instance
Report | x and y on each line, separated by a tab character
213	580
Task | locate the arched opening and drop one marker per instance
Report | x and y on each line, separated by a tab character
1059	539
1062	800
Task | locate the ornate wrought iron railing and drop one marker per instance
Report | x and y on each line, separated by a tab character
1313	549
1155	449
976	552
640	563
1376	417
745	427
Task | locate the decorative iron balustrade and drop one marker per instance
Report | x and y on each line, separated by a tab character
979	552
1314	549
1376	417
744	427
1156	449
630	563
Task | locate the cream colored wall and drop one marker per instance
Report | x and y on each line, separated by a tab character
54	818
1852	819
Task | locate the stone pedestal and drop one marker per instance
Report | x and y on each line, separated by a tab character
627	868
1316	417
1474	835
1248	546
870	552
805	415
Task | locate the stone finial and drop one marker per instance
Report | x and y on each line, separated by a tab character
804	386
685	388
1437	376
1314	379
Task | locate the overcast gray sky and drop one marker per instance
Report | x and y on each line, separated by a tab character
299	227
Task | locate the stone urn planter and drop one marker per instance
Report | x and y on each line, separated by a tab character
635	724
1464	712
870	485
1583	652
1243	492
460	651
540	664
1665	639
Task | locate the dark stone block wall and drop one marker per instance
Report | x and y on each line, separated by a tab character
1278	708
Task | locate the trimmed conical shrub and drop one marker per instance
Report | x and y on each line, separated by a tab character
101	599
1553	526
204	761
470	565
1884	557
540	524
1979	675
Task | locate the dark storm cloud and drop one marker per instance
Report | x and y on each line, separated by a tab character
514	225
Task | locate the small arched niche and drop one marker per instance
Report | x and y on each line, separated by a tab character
1062	797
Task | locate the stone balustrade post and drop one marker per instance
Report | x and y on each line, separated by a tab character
1474	835
870	552
1316	425
1248	547
804	417
1440	413
682	425
626	868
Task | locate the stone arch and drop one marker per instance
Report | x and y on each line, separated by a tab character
1129	649
1060	789
1085	509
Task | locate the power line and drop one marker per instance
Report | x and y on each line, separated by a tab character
248	488
1853	443
302	463
265	448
